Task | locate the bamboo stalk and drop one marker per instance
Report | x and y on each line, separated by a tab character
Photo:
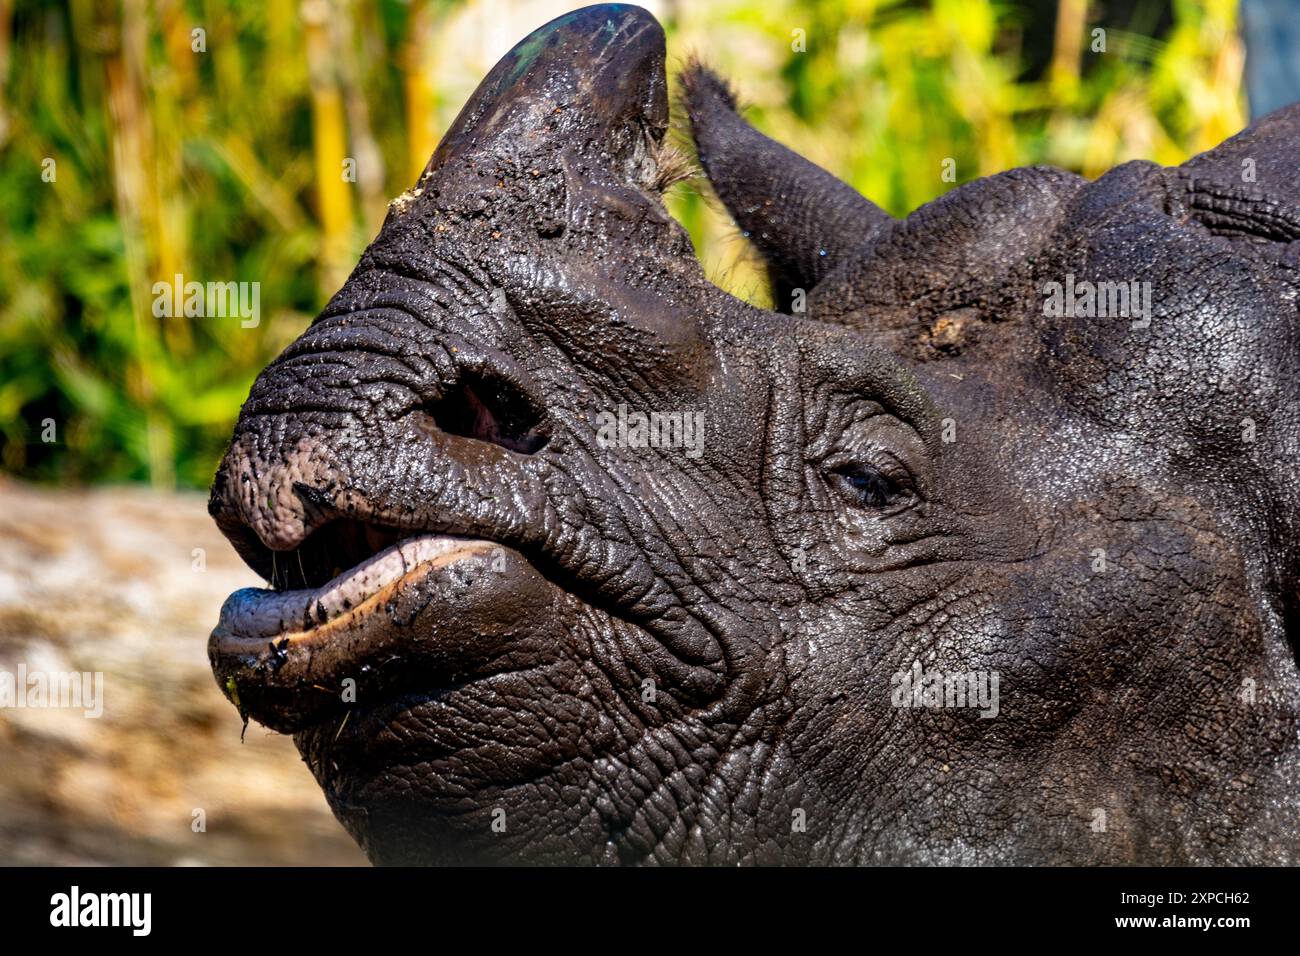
334	198
420	97
369	160
6	34
1067	55
137	206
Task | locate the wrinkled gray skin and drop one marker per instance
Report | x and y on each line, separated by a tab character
827	537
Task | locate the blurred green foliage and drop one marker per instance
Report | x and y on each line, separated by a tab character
139	140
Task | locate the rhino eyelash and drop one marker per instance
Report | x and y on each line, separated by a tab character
868	487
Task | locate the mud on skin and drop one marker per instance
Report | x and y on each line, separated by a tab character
630	655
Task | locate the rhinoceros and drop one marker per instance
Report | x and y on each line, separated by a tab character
980	548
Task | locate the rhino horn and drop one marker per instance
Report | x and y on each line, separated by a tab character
587	90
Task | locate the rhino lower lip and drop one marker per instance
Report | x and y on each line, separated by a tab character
426	609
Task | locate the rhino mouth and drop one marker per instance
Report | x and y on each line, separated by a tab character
410	612
279	614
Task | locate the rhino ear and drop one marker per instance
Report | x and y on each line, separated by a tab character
803	220
1249	184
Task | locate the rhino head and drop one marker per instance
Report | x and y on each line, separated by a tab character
982	549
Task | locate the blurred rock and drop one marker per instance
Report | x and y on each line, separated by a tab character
128	582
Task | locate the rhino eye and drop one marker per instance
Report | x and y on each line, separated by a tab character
868	487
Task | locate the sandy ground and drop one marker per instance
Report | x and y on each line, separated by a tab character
128	582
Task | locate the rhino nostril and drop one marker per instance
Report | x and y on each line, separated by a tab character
492	410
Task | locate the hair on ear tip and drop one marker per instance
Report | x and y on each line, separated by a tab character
701	83
672	166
